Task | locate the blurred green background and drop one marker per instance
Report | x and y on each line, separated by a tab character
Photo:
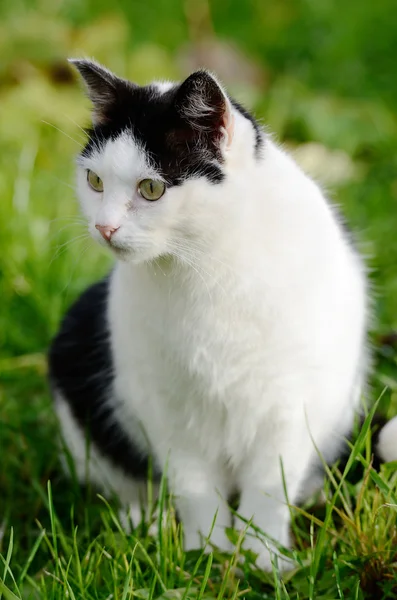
320	74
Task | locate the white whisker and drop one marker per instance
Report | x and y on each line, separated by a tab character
83	251
84	136
195	268
75	218
67	226
63	132
61	249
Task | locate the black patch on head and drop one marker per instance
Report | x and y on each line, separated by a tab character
81	368
180	130
176	148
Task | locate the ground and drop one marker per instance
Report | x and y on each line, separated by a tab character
326	86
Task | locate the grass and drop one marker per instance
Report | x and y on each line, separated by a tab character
313	78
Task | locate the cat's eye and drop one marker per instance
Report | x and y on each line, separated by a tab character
151	189
94	181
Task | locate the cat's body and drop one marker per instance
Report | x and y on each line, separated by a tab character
230	337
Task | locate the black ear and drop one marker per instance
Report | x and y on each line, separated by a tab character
104	89
202	103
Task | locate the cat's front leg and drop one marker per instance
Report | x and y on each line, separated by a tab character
269	512
270	483
201	493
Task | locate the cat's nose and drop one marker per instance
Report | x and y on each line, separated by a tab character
106	231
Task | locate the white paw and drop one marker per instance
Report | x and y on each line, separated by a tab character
155	525
125	520
270	558
192	541
268	555
218	539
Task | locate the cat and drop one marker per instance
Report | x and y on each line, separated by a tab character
229	342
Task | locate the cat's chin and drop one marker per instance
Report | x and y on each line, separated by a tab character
137	257
123	254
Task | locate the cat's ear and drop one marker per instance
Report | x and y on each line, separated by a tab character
201	102
104	89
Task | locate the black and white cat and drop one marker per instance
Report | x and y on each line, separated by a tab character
230	336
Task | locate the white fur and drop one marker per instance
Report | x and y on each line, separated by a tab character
163	86
238	319
387	443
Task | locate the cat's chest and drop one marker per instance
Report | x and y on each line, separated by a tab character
190	350
208	340
192	371
195	387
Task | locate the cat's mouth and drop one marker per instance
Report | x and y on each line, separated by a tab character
118	248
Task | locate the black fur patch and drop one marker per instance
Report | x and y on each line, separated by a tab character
80	365
181	141
172	146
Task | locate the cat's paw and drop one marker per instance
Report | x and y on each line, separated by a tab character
218	539
221	542
125	520
270	558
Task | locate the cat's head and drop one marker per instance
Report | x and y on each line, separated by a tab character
153	176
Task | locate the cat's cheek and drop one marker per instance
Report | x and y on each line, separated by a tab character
88	210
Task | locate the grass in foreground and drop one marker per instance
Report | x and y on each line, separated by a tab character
59	540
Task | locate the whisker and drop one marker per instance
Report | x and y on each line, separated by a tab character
67	226
195	247
63	132
187	251
158	265
83	251
193	266
83	137
62	248
68	185
85	234
75	218
190	259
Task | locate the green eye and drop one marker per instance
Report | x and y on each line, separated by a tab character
151	189
94	181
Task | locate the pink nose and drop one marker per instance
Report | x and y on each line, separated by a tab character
106	231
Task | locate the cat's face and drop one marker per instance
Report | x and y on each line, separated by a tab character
154	164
